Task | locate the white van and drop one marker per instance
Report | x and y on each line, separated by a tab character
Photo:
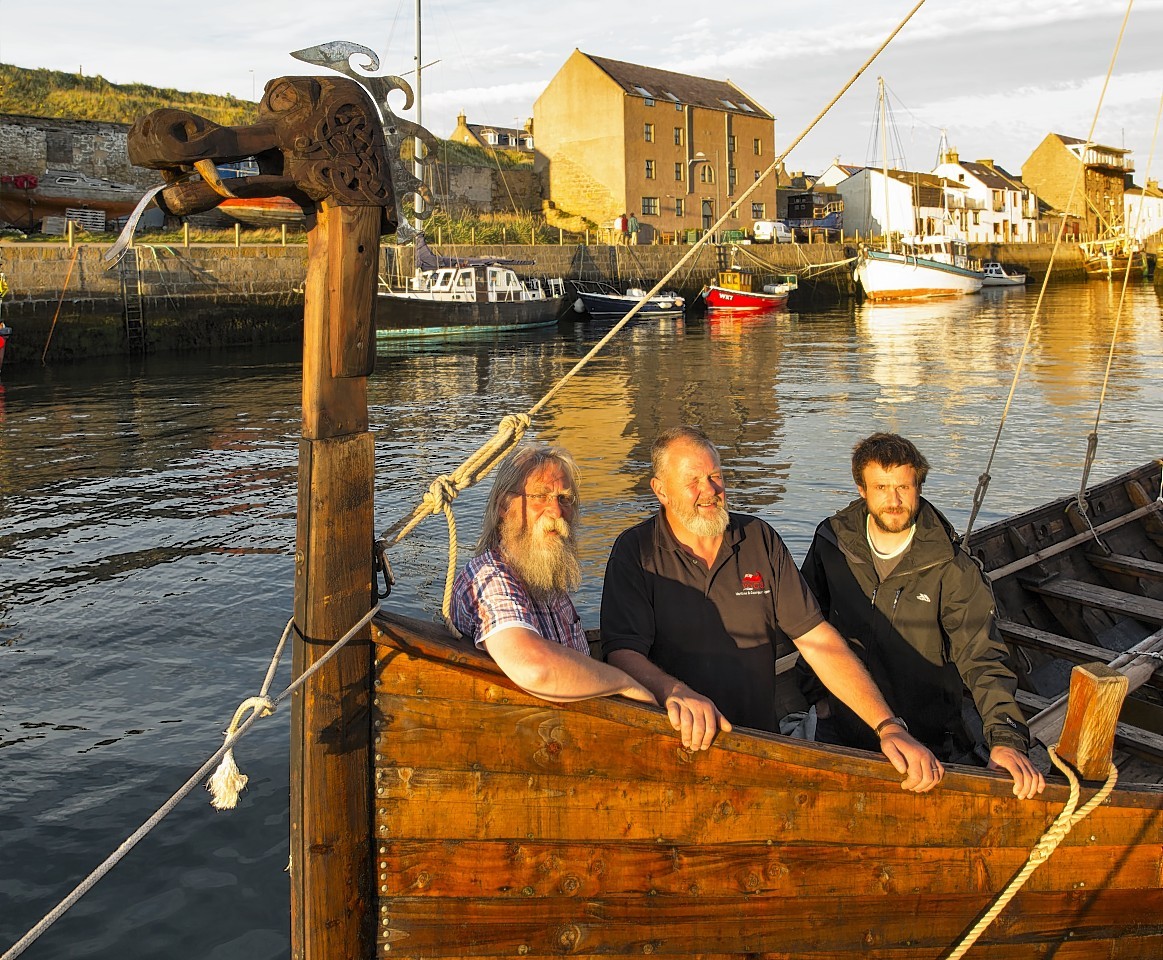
771	231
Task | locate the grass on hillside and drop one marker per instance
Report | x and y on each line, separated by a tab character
73	96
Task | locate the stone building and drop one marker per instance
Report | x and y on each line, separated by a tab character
495	138
1052	171
673	149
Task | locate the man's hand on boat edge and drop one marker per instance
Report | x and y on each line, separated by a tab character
922	770
1028	780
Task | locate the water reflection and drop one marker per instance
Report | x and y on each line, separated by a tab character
147	536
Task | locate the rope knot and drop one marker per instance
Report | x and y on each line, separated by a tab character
516	423
441	492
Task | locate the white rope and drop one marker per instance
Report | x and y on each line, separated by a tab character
119	854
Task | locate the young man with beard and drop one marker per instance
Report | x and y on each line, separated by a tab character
918	611
512	599
697	598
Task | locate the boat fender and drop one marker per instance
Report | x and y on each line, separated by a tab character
774	288
579	306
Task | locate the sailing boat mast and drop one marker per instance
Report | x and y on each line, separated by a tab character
884	157
417	165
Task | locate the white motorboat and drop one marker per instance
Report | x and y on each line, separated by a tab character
995	275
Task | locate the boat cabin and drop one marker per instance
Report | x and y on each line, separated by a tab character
477	284
941	249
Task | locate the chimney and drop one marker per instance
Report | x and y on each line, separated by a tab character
950	155
986	162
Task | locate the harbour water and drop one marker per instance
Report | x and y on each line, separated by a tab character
147	535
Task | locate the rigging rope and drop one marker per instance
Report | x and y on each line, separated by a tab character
1092	437
134	838
984	479
1054	835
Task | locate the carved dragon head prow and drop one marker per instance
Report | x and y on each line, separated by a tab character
317	139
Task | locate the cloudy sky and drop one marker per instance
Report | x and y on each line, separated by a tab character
996	77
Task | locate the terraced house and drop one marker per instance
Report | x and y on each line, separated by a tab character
1052	171
673	149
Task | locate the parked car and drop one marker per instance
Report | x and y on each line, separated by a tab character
771	231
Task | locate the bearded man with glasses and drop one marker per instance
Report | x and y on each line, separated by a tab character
512	599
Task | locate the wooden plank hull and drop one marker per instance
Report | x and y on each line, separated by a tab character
505	826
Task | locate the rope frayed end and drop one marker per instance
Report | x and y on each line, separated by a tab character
226	784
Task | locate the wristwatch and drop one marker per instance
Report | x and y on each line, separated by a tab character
889	722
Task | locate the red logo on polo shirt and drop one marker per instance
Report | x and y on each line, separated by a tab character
752	581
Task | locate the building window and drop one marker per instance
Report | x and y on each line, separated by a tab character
649	131
731	143
678	106
757	211
756	174
679	136
649	101
678	170
732	180
757	146
650	206
649	169
706	173
678	206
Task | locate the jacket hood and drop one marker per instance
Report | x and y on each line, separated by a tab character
932	543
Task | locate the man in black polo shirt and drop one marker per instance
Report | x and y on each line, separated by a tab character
696	595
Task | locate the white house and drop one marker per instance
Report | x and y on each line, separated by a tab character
835	173
997	207
1144	209
905	202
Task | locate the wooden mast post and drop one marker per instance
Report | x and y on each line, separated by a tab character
331	882
321	141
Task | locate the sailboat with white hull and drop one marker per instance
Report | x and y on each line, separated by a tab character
934	265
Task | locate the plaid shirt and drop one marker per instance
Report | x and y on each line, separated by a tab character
487	597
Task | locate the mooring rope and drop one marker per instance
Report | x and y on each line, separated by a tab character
445	488
1046	845
984	479
132	840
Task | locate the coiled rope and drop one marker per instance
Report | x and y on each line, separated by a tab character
1054	835
264	707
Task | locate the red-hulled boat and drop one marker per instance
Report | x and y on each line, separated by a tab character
739	290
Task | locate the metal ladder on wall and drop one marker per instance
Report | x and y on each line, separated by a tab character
130	273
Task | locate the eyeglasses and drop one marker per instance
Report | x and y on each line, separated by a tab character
543	499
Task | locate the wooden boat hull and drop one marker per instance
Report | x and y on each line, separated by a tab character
894	276
401	316
720	298
505	826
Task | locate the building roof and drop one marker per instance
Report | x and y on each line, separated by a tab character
991	175
1071	141
515	134
667	86
918	179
